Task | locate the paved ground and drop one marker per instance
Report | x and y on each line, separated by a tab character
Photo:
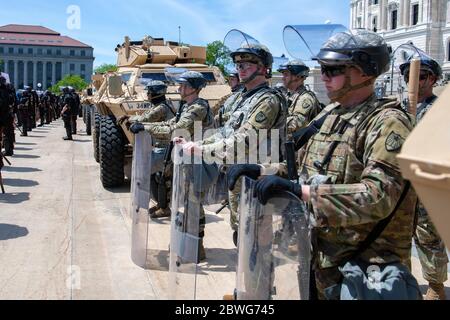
63	236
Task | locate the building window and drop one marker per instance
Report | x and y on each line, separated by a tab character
58	52
83	67
394	19
358	22
10	50
20	51
415	14
72	67
83	53
49	52
72	52
39	51
1	49
30	50
374	24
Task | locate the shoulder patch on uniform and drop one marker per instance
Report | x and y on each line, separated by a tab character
394	142
306	104
260	117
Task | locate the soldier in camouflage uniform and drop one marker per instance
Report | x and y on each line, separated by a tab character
303	104
257	107
355	149
431	248
161	110
194	110
226	104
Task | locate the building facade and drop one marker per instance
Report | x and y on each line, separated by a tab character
35	54
425	23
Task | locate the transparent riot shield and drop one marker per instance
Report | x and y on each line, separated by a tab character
184	242
140	197
274	248
305	41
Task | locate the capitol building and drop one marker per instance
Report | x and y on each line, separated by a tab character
424	23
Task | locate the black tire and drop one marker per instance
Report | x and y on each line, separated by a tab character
87	114
84	108
96	136
111	153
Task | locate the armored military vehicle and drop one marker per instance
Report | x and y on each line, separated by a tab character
123	93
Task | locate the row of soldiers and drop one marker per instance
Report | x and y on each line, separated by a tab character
363	212
27	109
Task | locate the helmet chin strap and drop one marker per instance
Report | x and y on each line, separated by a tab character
338	94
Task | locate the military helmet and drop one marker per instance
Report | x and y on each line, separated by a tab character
295	67
253	52
27	88
426	63
194	79
156	87
233	74
361	48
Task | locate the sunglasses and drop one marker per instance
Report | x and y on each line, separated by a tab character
422	76
244	65
333	71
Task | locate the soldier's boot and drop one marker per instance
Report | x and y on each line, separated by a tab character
156	212
69	134
435	292
201	252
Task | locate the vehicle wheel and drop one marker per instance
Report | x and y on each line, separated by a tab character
96	136
111	153
87	115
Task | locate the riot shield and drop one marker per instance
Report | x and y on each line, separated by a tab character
304	42
150	238
184	242
274	247
140	197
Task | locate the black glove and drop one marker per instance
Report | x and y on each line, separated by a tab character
137	127
235	172
265	188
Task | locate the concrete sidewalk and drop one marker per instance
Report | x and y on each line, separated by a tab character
62	235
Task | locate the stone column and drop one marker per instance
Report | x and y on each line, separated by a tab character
5	63
351	15
44	72
34	74
366	15
384	13
407	14
16	73
401	13
25	73
53	73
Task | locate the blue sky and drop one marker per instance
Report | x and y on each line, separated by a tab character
105	23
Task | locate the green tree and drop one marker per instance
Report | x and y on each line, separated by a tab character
74	81
218	55
103	68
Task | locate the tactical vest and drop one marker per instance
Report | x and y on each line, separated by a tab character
346	166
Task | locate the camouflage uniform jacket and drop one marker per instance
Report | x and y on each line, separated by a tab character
366	183
197	111
228	105
259	109
303	108
161	112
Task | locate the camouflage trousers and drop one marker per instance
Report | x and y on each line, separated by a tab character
431	249
234	198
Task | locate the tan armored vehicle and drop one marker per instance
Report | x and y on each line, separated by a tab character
425	161
123	92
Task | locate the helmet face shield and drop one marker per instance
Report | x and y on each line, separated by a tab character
304	42
405	53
